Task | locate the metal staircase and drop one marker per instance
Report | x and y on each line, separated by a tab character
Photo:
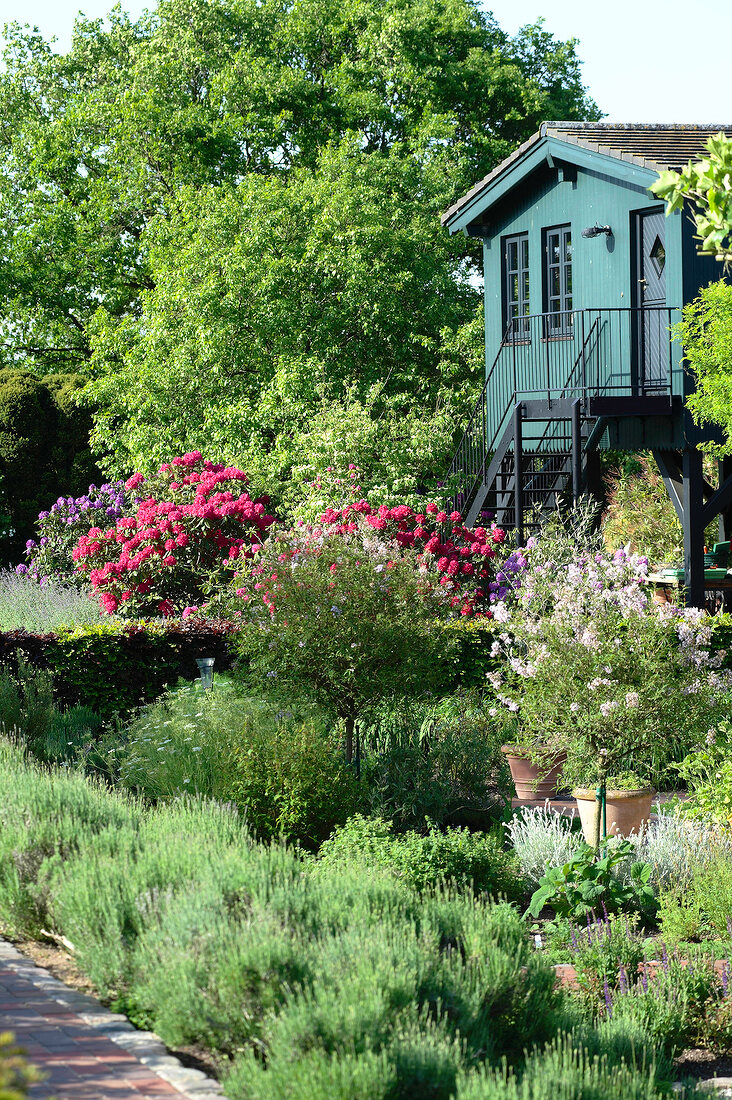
555	382
550	467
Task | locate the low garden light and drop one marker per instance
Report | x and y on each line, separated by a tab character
205	670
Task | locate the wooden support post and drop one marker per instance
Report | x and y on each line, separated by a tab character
693	493
518	461
725	516
593	481
576	451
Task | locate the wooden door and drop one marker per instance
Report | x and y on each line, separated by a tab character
652	336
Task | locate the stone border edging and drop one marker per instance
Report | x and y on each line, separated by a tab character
146	1046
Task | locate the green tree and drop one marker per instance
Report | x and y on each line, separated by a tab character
349	622
705	184
277	297
95	142
706	334
319	138
44	451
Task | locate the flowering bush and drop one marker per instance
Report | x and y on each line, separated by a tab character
192	515
595	667
455	565
341	615
51	554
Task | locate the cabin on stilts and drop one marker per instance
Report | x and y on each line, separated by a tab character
584	280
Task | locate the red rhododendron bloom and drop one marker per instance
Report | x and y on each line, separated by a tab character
195	507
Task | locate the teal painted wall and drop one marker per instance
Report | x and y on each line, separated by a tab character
602	275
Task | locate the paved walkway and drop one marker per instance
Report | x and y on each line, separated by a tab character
86	1052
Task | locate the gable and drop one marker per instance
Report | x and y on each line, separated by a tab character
627	154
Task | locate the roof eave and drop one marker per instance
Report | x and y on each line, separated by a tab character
541	148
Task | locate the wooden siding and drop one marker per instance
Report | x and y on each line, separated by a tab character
602	275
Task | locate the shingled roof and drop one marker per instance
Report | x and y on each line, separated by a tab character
653	146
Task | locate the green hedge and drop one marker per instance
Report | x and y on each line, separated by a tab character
114	667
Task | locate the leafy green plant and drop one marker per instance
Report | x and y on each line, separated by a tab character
423	860
16	1075
285	773
586	883
290	778
640	514
29	716
705	331
708	773
436	759
701	907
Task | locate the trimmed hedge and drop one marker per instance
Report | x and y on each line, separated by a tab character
114	667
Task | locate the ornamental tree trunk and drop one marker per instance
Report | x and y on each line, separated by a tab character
350	726
601	777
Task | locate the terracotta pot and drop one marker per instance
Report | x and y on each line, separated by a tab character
626	811
533	781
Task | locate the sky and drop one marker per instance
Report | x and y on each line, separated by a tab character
642	62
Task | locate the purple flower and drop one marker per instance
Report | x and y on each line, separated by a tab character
622	980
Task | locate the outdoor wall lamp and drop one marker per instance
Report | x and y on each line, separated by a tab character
596	230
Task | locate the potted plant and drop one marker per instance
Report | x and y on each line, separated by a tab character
627	806
599	669
535	769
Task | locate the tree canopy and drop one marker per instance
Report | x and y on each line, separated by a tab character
225	213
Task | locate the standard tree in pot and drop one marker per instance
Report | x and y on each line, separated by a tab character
606	673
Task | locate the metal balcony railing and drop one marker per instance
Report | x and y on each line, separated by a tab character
612	352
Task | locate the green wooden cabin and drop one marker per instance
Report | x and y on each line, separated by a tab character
584	278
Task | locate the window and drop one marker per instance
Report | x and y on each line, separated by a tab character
558	280
516	286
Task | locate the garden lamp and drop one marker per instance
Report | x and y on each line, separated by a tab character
205	670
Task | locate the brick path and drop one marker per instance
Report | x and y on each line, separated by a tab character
86	1052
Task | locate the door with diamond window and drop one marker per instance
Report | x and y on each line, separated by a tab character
652	336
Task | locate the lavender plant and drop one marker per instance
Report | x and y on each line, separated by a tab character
60	527
42	607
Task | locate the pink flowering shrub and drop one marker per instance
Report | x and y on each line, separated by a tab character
191	516
455	566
